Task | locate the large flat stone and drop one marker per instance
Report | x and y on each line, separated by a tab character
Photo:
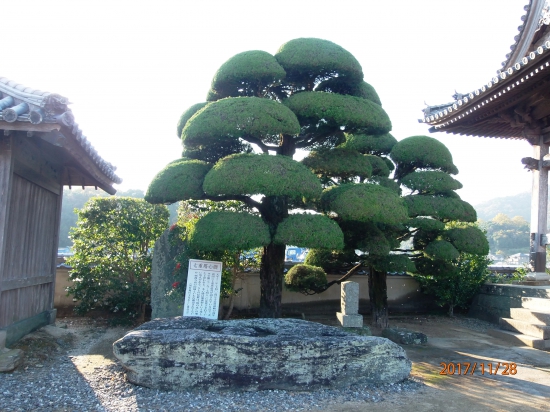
10	359
182	353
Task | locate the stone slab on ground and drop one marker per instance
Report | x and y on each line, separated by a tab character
10	359
405	336
182	353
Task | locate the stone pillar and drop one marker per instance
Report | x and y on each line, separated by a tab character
539	208
349	316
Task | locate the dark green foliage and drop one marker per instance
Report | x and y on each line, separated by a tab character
339	111
443	208
343	163
365	203
330	260
181	180
441	250
370	144
387	183
455	284
373	241
261	174
468	239
187	115
305	278
341	86
310	59
435	268
213	152
246	74
421	152
430	182
111	266
426	224
240	117
218	231
379	166
308	230
394	263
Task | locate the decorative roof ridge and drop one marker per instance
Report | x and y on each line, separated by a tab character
536	15
486	93
20	103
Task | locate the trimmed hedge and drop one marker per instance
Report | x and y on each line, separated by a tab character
443	208
186	115
304	278
468	239
430	182
441	250
370	144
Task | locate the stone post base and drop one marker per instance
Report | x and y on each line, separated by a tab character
536	279
350	321
537	276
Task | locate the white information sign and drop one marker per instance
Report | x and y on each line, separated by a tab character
202	295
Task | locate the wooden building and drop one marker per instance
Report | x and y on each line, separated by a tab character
41	150
514	104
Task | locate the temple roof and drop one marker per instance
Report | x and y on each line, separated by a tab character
46	115
516	99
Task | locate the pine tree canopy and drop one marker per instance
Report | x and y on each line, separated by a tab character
443	208
252	174
246	74
181	180
370	144
421	152
339	111
468	239
365	203
229	231
430	182
308	230
340	86
441	250
245	117
339	162
186	115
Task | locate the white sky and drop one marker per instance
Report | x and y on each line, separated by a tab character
130	68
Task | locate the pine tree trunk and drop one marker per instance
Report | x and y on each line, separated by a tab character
234	272
378	298
451	311
271	280
274	210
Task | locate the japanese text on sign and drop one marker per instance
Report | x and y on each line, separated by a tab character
202	295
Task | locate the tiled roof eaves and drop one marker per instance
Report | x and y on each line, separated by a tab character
489	92
519	48
63	117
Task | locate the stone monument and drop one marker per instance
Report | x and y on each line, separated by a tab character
349	316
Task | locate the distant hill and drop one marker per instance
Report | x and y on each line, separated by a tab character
517	205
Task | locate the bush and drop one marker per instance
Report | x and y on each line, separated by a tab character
457	288
305	279
111	266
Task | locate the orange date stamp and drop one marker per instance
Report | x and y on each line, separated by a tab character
482	368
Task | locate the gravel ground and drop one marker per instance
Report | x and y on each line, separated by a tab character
52	379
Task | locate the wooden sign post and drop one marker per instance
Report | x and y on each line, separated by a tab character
202	294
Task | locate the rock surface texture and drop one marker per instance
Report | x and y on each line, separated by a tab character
162	277
182	353
405	336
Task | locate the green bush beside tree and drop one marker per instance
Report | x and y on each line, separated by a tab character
111	265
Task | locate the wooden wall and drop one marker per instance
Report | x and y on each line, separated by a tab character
30	205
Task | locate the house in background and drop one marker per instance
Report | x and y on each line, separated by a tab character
42	149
